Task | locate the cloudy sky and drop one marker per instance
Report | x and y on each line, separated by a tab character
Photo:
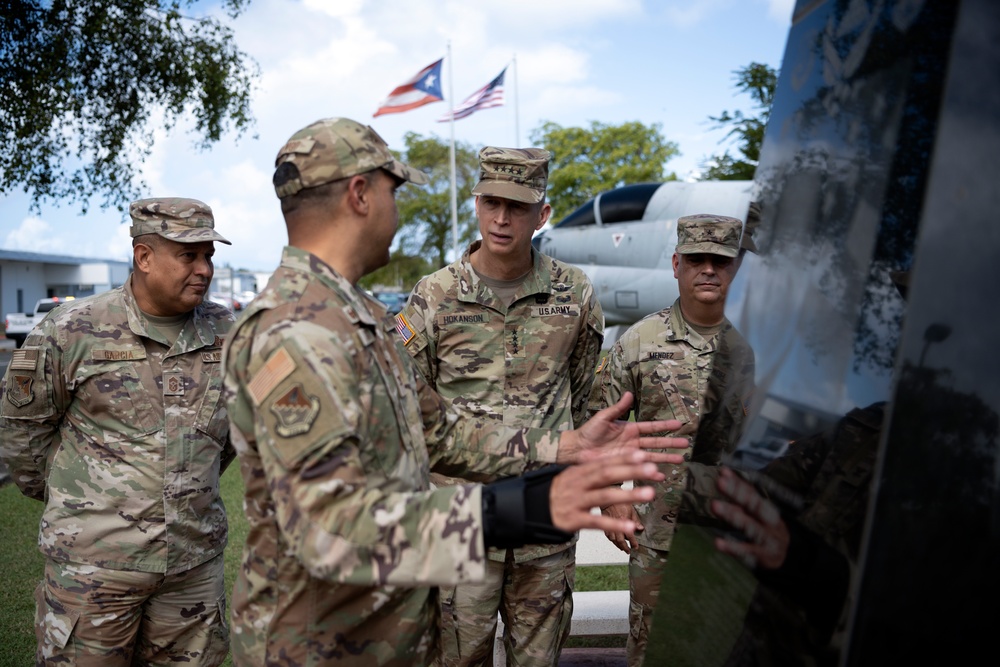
654	61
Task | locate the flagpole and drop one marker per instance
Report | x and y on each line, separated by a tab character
517	123
451	156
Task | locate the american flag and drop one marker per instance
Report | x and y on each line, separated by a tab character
490	95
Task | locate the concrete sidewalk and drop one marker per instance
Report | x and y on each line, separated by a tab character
592	657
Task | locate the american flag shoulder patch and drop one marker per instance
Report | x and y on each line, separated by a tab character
277	368
24	359
404	329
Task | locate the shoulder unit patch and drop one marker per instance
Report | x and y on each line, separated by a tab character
19	390
296	411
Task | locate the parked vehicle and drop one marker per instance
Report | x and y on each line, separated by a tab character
394	301
234	302
17	326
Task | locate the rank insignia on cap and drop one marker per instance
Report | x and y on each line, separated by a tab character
19	390
296	411
404	329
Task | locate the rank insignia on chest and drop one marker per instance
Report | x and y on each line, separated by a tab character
173	383
19	390
296	411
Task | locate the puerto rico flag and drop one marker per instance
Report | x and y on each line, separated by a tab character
490	95
423	88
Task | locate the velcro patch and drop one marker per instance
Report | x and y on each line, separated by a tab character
19	390
24	360
277	368
476	318
117	355
296	411
656	356
404	329
173	383
568	310
211	357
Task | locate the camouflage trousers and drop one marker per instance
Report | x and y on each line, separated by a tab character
645	570
535	600
87	616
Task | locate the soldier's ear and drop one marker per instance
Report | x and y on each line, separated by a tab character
358	193
142	255
544	217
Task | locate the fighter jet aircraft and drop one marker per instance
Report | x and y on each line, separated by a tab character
624	239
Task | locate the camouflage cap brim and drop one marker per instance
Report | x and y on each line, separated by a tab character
189	235
707	248
195	236
406	173
508	190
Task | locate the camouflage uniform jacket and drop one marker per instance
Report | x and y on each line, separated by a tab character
528	365
336	433
122	438
669	368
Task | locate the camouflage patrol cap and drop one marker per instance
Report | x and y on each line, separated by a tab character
334	148
174	218
713	234
520	174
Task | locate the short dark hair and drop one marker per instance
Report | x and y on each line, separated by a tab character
154	241
319	195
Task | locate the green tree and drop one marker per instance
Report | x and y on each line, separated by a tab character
589	161
79	80
758	81
402	272
425	211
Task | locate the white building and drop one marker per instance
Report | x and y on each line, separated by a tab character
26	277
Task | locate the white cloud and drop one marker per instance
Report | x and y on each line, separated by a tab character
35	235
335	8
119	246
781	10
247	213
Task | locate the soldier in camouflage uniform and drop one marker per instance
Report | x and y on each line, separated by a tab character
508	334
112	415
685	362
337	433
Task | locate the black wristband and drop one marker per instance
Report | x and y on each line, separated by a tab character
516	511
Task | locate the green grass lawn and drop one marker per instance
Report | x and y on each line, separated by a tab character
22	564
